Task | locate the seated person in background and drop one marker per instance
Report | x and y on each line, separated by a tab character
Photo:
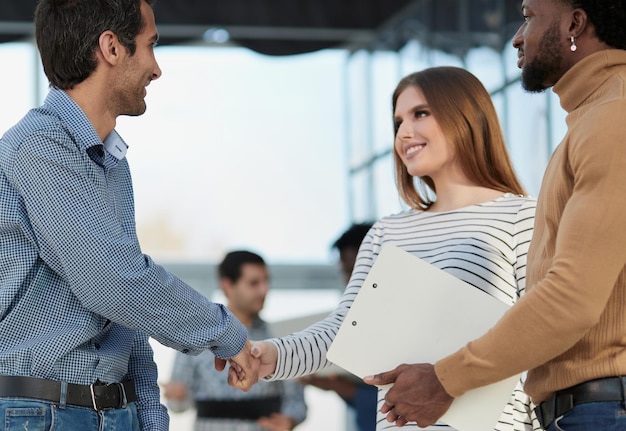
273	406
359	396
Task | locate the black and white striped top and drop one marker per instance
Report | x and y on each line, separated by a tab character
484	245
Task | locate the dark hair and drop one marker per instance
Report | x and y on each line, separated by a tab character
67	34
353	236
464	111
230	267
608	19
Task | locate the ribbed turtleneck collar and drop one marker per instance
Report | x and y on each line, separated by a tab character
584	78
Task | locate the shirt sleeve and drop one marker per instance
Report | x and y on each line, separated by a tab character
82	218
142	370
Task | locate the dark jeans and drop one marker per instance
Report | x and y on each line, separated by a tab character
600	416
17	414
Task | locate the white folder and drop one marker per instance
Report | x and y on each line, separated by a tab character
409	311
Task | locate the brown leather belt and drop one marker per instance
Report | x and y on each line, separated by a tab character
247	409
607	389
99	396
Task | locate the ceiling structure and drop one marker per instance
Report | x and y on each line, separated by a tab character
286	27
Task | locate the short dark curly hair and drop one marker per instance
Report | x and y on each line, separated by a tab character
607	17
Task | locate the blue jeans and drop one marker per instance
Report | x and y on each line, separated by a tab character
32	415
601	416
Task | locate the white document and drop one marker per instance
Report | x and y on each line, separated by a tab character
409	311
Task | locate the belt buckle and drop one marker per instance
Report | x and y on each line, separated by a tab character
123	401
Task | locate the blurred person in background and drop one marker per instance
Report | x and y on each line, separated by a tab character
268	406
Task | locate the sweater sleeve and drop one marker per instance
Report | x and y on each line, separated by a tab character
582	205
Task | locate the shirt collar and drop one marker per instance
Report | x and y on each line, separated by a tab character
115	145
77	123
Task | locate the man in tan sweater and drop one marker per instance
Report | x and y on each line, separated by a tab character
569	330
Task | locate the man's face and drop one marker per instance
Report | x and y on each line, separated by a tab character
247	294
542	43
139	69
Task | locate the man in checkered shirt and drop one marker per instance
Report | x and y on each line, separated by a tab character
78	298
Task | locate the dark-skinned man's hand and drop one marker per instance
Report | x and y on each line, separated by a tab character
416	394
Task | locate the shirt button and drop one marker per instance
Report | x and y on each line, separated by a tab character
185	351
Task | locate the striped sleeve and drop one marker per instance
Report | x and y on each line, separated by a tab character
304	352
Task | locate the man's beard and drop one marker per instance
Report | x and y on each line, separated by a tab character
544	71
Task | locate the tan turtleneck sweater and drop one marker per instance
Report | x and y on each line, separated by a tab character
570	326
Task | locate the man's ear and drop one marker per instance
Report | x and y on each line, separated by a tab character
227	286
579	22
109	47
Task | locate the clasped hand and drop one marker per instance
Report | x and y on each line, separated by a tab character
416	394
255	361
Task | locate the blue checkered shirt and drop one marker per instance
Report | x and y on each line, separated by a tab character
78	298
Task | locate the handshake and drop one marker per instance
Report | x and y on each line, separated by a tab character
403	403
257	360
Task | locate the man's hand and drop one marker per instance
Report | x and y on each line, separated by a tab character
175	391
416	395
244	368
276	422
